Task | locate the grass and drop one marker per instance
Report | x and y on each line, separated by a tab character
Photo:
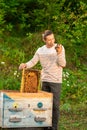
73	119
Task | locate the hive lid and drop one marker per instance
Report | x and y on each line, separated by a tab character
18	95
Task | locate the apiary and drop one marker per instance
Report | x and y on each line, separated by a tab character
25	109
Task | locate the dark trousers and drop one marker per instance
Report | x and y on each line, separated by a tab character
54	88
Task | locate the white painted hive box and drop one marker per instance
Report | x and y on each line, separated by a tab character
25	109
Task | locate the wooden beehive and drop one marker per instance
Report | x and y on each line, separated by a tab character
25	109
30	80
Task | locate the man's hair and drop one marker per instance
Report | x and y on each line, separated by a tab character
46	33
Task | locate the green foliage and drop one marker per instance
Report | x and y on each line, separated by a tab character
9	78
32	15
74	86
11	52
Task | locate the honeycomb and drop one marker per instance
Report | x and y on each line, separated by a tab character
30	80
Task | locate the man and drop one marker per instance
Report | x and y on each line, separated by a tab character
52	60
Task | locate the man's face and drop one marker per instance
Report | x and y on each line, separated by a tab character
50	40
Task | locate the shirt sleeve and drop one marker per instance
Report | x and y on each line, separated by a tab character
33	61
61	60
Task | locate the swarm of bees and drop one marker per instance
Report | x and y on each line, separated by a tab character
30	80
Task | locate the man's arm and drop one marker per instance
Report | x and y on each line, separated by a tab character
61	60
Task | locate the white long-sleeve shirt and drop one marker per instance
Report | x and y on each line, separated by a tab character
51	62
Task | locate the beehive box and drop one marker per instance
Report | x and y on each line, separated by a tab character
25	109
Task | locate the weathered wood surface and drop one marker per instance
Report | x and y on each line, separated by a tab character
39	94
26	110
30	128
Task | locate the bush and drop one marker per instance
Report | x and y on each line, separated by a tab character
74	87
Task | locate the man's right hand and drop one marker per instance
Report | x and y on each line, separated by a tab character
22	66
58	48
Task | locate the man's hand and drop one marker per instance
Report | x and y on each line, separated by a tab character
58	48
22	66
